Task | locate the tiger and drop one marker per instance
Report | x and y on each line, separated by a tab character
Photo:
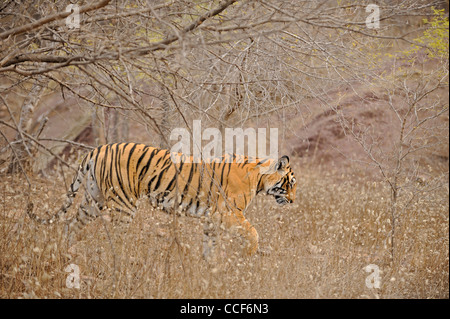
117	175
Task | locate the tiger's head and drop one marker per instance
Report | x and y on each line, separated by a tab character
279	181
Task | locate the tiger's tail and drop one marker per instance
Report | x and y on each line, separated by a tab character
70	195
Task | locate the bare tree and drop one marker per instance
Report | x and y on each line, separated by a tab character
413	90
230	63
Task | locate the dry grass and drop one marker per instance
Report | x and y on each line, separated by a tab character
319	248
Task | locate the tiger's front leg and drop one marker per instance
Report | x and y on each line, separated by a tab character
236	223
209	239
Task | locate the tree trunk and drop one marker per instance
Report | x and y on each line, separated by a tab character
22	151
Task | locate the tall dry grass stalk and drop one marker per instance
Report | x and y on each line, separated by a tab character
319	248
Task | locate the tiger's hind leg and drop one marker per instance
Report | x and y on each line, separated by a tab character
89	209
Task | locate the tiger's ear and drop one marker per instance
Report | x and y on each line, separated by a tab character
282	163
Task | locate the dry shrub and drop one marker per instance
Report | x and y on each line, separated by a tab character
317	247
